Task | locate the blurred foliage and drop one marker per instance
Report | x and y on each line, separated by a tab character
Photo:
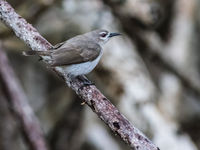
151	73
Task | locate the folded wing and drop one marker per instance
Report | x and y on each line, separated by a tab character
74	53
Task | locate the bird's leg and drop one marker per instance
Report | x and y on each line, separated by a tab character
85	81
40	59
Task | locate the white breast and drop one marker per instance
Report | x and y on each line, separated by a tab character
80	69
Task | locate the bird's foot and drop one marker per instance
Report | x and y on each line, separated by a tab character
85	81
40	59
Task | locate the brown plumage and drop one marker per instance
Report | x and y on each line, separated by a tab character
78	55
74	51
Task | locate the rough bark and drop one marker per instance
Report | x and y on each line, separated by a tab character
90	94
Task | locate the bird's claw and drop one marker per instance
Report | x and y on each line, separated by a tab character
85	81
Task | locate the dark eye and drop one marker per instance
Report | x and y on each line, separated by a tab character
103	34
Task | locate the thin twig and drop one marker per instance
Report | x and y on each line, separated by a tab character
20	106
90	94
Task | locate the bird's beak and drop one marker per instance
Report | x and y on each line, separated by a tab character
114	34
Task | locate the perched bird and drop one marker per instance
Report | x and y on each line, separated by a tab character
78	55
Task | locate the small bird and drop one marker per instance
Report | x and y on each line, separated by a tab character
77	56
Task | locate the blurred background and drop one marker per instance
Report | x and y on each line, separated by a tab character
151	73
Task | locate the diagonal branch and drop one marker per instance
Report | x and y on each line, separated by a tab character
20	107
90	94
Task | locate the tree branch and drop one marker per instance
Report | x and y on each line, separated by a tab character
90	94
20	106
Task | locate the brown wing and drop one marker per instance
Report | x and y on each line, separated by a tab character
74	53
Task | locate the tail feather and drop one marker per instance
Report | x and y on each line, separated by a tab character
31	53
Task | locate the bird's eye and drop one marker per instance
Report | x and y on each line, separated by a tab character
103	35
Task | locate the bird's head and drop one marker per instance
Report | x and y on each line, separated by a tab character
102	36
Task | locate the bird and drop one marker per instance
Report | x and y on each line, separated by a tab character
77	56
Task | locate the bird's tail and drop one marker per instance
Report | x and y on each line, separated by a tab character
29	53
32	53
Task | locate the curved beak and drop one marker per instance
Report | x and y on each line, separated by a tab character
114	34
